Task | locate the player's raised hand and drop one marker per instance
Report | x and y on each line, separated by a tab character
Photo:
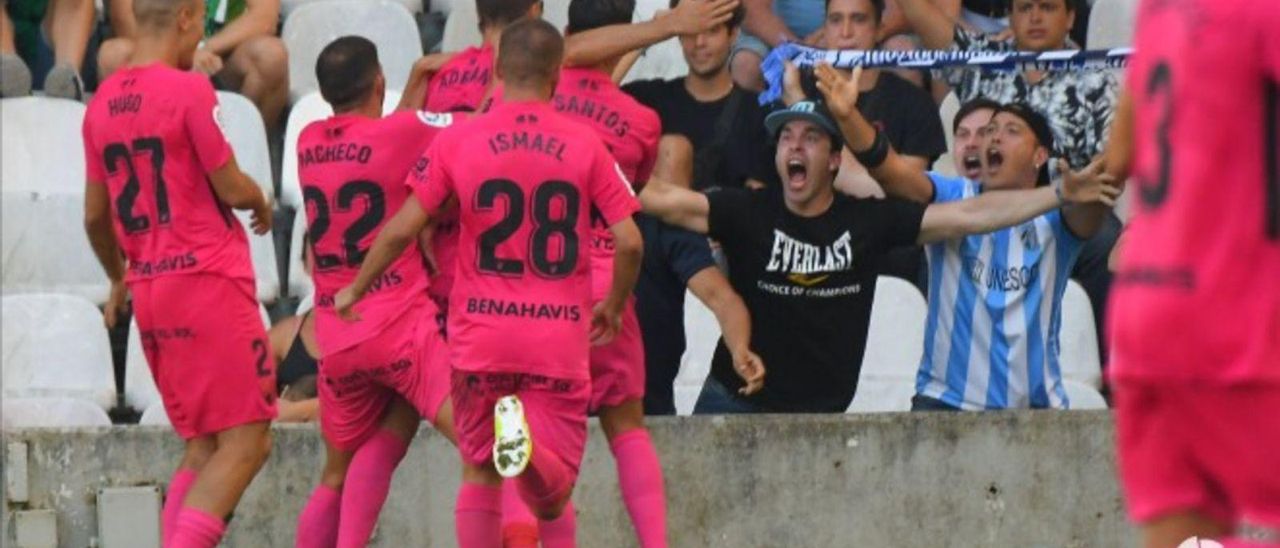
838	89
1089	185
344	304
699	16
606	322
751	368
117	304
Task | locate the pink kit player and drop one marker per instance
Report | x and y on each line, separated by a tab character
521	320
162	182
1195	316
381	373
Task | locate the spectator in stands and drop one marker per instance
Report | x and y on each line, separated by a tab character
1077	104
995	298
241	51
970	127
724	122
45	41
676	259
804	257
296	352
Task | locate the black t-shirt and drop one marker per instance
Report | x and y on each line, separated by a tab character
808	283
671	256
906	114
748	151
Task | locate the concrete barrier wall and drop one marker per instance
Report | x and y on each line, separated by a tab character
1024	479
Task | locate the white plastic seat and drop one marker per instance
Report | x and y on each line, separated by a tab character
1083	396
243	127
462	29
42	178
1078	338
947	111
305	304
414	6
895	337
686	396
300	283
55	346
313	25
877	395
663	60
140	392
701	333
155	415
307	109
52	413
1112	23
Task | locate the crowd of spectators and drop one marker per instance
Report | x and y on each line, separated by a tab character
712	121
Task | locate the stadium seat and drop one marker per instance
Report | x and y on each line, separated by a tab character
242	123
42	178
686	396
56	347
462	29
1112	23
313	25
876	395
52	413
266	271
305	304
1082	396
300	284
701	333
947	111
1078	338
155	415
414	6
140	391
307	109
895	338
663	60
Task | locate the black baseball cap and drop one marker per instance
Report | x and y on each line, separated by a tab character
811	111
1039	126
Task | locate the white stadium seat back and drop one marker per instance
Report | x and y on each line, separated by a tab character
1078	338
307	109
242	124
882	396
314	25
1112	23
1083	396
663	60
262	251
686	396
155	415
947	112
300	283
140	392
42	148
895	337
701	333
55	346
414	6
42	177
52	413
462	29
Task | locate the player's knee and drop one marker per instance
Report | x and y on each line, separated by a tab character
553	509
268	58
113	54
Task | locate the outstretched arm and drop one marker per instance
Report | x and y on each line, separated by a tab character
1000	209
596	46
713	289
935	28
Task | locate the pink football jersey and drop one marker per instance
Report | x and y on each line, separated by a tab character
525	179
1197	295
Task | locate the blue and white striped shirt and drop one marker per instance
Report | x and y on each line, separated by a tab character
995	309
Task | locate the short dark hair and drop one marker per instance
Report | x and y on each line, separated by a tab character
530	53
739	13
502	12
347	70
877	5
585	15
1072	5
971	107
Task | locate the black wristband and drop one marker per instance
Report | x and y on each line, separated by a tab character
874	156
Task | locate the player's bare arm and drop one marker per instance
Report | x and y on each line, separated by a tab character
414	96
606	318
596	46
97	225
1119	151
712	288
1001	209
399	233
238	190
